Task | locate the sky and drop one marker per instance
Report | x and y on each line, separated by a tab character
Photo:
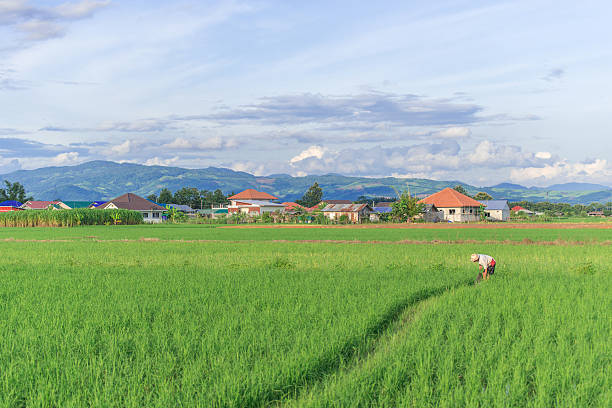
481	92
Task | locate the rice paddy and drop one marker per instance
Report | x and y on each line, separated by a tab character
164	316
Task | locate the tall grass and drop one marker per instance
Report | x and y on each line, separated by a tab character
69	218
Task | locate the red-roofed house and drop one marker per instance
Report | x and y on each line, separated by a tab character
291	206
253	202
251	194
518	208
44	205
457	207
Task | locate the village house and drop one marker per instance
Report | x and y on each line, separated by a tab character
44	205
355	213
213	213
595	213
10	205
77	204
430	213
456	207
185	209
253	202
518	209
95	204
496	210
150	211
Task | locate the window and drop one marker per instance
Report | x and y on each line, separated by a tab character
155	215
451	211
145	215
471	210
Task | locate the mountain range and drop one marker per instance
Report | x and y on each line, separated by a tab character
99	180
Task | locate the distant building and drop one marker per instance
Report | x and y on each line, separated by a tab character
10	205
253	202
596	213
456	207
182	208
44	205
431	214
356	213
380	210
213	213
96	204
337	201
151	212
291	207
519	209
496	210
77	204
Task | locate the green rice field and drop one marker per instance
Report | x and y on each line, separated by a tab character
188	315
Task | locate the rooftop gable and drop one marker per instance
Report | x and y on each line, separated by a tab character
251	194
450	198
131	201
345	207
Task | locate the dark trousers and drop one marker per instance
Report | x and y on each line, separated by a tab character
490	271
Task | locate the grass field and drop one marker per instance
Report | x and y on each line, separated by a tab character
105	322
570	233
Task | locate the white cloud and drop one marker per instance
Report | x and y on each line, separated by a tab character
37	30
156	161
211	143
123	148
543	155
66	158
453	133
312	151
597	170
80	10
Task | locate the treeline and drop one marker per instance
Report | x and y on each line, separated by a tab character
72	218
564	209
196	199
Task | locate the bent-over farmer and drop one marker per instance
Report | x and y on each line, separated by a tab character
486	263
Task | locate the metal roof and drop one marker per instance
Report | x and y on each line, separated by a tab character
11	203
382	210
345	207
495	204
180	207
260	203
213	211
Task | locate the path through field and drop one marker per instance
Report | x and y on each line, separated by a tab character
191	316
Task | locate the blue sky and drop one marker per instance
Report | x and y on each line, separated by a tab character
483	92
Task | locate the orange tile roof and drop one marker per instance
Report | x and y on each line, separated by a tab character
450	198
251	194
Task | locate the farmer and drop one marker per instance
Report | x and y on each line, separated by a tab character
486	263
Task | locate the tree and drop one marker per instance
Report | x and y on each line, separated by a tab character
187	196
14	191
461	189
219	198
312	197
406	207
482	196
165	197
152	197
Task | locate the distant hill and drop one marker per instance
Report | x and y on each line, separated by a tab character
98	180
578	187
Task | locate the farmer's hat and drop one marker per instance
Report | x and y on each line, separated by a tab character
474	257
